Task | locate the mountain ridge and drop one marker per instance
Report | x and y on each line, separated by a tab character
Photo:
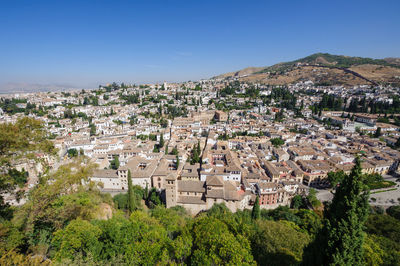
325	68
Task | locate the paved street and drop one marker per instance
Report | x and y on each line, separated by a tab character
386	199
324	195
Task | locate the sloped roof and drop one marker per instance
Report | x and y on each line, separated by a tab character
190	200
215	193
216	181
105	173
191	186
230	191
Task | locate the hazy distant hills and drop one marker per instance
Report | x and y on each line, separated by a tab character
22	87
325	69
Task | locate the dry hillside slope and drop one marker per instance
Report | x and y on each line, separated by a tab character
325	69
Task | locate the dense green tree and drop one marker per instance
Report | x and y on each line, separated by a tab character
214	244
373	253
385	231
52	205
335	178
219	210
279	116
68	114
152	137
340	242
140	240
312	198
114	164
92	129
330	102
198	148
95	100
175	151
308	221
156	148
161	144
131	98
146	192
397	144
390	248
195	154
14	258
173	219
115	237
86	101
280	213
131	195
121	200
277	142
384	225
373	181
154	198
18	177
255	213
394	211
78	236
278	243
297	202
148	241
164	122
378	132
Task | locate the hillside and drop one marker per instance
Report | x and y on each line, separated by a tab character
323	68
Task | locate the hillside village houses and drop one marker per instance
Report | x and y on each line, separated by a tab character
237	158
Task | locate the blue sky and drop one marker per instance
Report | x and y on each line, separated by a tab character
86	43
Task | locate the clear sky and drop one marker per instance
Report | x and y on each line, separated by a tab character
85	43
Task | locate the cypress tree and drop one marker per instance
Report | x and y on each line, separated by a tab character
131	194
341	239
397	144
175	151
378	132
195	154
198	148
255	213
146	192
161	140
115	163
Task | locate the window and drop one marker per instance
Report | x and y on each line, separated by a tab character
142	166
